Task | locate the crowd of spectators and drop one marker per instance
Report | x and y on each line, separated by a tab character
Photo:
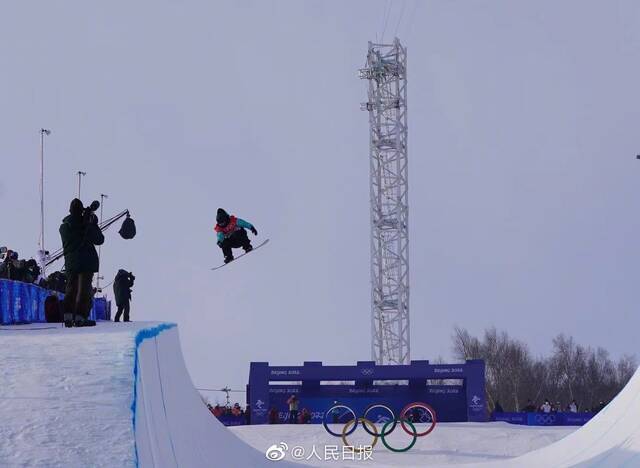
235	411
303	417
548	407
237	414
14	268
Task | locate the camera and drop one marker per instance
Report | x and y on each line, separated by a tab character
89	212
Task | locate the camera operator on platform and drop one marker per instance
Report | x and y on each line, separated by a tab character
80	234
122	289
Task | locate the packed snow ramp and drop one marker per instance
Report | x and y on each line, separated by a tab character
610	439
110	395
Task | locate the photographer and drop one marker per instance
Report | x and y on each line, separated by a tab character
80	234
9	268
122	289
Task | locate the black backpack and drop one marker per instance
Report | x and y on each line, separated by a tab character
128	228
53	309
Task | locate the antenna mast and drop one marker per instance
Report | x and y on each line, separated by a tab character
387	106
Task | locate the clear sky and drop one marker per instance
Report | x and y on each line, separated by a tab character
524	189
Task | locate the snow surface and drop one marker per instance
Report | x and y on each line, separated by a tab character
65	395
449	443
119	395
173	425
68	398
610	439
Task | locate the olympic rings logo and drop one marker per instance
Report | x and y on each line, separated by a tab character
545	419
416	412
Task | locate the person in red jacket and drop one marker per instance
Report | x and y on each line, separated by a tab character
217	411
232	234
273	415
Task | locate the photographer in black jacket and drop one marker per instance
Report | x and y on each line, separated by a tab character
122	290
80	234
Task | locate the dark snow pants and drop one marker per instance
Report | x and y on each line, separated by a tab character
123	308
78	295
236	240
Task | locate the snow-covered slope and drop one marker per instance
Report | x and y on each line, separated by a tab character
610	439
113	395
120	395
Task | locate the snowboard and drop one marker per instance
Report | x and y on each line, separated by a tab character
242	254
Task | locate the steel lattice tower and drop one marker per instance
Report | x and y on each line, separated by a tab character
387	107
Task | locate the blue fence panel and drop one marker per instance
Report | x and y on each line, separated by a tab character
24	302
513	418
4	302
231	420
544	419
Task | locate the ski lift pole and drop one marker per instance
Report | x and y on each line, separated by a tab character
80	174
42	256
102	198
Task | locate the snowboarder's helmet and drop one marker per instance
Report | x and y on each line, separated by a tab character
222	217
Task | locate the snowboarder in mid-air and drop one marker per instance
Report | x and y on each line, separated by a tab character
232	234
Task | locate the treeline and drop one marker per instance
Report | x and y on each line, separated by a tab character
572	372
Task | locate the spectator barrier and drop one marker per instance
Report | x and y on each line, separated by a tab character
24	303
231	420
544	419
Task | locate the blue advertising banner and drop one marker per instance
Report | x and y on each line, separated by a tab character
448	401
315	386
544	419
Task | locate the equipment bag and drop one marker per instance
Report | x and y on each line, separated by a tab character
128	228
53	309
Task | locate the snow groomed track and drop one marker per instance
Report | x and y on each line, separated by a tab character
610	439
120	395
110	395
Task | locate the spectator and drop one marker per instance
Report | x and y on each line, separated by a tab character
305	416
80	234
217	411
293	409
556	408
122	290
415	415
16	269
335	415
546	406
247	415
498	408
530	408
236	410
57	281
573	407
273	415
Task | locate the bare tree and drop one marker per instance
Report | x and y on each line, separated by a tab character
572	372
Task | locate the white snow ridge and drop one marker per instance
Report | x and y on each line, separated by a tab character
610	439
119	395
114	395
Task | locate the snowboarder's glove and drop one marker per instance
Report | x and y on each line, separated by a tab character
254	230
219	244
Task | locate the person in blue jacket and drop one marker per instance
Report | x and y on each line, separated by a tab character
232	234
